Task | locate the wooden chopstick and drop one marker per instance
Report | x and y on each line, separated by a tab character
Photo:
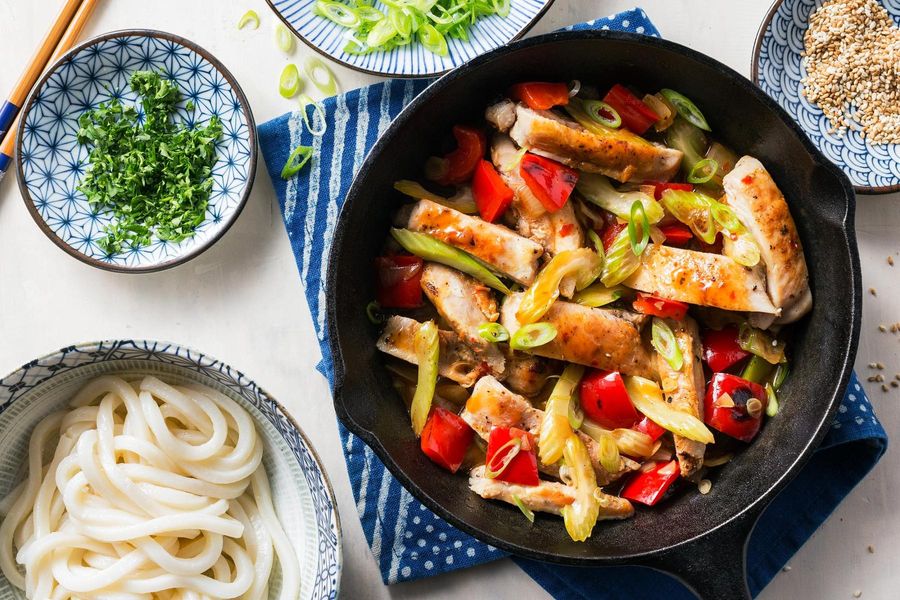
64	33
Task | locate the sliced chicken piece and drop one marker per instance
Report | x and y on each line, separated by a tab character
761	207
701	278
618	154
547	496
595	337
501	115
457	361
526	374
502	249
465	303
684	389
492	405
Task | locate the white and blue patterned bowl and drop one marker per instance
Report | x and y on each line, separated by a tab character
300	488
51	162
778	69
329	39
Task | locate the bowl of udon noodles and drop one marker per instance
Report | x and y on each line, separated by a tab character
139	469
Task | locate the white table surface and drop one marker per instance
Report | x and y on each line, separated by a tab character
241	301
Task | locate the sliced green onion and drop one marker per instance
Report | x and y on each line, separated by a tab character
514	445
781	373
379	35
694	210
373	311
501	7
602	113
433	40
726	218
690	140
296	161
664	341
772	405
432	249
493	332
599	295
315	68
250	18
369	13
318	118
521	506
757	370
337	12
609	453
289	83
401	21
576	413
621	261
284	38
703	171
597	243
758	342
638	216
428	354
532	335
687	109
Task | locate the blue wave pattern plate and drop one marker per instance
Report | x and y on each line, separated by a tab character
412	60
778	70
51	163
300	489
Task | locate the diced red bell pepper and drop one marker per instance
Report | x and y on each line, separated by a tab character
540	95
649	304
446	438
458	166
605	400
610	233
650	428
661	186
522	469
637	117
399	281
492	196
549	180
677	235
649	487
721	350
734	421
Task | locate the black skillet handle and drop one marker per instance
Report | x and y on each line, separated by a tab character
714	566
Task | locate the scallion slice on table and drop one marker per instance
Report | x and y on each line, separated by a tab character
296	161
687	109
432	249
532	335
321	76
638	219
284	39
427	355
317	125
250	19
529	514
493	332
664	341
289	83
703	171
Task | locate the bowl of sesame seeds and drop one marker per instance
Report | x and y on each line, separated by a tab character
834	66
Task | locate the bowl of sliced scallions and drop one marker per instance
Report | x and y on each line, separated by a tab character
408	38
136	151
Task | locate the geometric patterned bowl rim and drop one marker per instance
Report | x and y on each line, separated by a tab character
226	224
754	75
201	362
383	73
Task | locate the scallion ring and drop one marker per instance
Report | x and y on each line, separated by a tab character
781	373
493	332
638	215
373	311
433	40
337	12
250	18
314	67
284	38
318	118
576	414
772	401
597	243
289	83
687	109
663	340
296	161
529	514
603	113
532	336
703	171
506	452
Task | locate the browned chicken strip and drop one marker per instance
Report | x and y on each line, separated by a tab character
761	207
701	278
595	337
547	496
684	389
502	249
465	303
492	405
618	154
526	374
457	361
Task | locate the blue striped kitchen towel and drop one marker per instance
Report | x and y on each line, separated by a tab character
409	541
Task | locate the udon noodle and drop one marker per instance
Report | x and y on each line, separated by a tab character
143	490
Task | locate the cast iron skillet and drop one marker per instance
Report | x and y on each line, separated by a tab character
699	539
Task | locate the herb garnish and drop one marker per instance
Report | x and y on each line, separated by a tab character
154	176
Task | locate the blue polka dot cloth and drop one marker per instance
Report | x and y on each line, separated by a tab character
408	541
